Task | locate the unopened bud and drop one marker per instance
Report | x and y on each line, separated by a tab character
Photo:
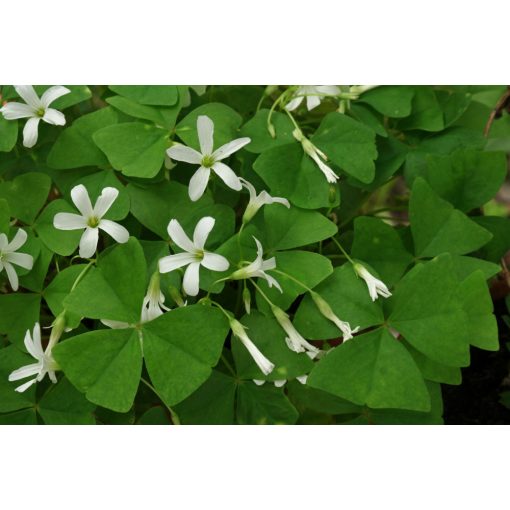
247	300
271	130
176	295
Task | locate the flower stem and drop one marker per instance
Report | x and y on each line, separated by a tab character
173	414
82	274
293	279
343	251
262	293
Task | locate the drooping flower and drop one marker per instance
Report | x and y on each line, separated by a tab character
257	201
194	254
45	362
91	219
35	110
326	310
258	268
9	256
316	154
375	286
295	342
208	159
313	94
266	367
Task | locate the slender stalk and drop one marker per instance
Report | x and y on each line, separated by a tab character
342	250
173	414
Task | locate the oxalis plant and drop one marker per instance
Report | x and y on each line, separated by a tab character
245	254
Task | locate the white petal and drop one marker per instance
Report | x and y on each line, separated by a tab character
229	148
25	371
312	102
172	262
330	90
3	242
31	347
182	153
88	242
27	93
179	237
280	382
115	324
30	132
20	259
118	232
202	231
205	129
36	337
302	379
266	199
12	111
105	201
69	221
259	382
292	105
227	175
18	241
54	117
249	186
52	94
215	262
23	387
81	199
190	281
272	282
11	275
198	183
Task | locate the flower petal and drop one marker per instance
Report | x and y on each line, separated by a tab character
202	231
20	259
54	117
227	175
172	262
27	93
105	201
52	94
25	371
179	237
249	186
12	111
312	102
182	153
88	242
215	262
292	105
30	132
229	148
31	347
117	231
36	336
23	387
69	221
115	324
19	240
205	130
190	281
81	199
3	242
11	275
198	183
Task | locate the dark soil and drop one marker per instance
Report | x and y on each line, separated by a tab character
476	400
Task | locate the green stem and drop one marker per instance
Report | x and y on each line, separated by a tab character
173	414
342	250
293	279
262	293
82	274
228	365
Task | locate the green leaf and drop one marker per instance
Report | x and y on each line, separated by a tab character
157	95
500	242
392	101
290	173
180	349
375	370
104	364
349	299
8	134
378	244
466	178
437	227
349	144
155	416
75	147
26	195
24	417
427	312
264	405
134	148
18	313
226	124
464	266
5	216
62	404
114	290
79	93
367	116
35	278
426	112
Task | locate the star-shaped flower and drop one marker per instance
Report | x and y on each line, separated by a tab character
208	159
313	94
91	219
257	201
194	254
9	256
375	286
35	110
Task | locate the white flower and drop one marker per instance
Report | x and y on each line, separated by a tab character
257	268
91	219
316	154
295	342
375	287
314	95
8	256
266	367
35	110
257	201
207	159
45	362
326	310
194	254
